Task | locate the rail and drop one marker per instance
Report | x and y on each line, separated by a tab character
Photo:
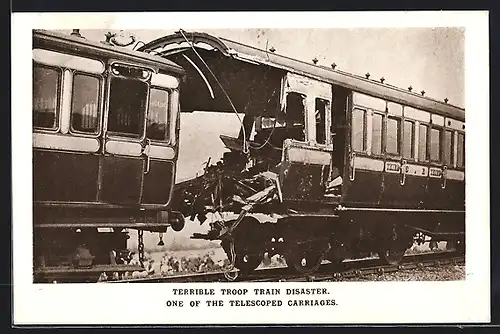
348	269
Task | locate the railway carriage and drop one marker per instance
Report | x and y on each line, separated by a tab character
348	164
105	143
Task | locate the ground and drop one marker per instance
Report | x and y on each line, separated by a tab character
443	273
166	261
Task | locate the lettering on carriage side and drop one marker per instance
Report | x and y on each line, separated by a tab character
392	167
416	170
435	172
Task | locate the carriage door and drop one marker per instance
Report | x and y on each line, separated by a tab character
159	173
366	155
435	191
123	163
308	152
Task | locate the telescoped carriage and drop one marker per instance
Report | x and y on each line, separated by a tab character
347	165
105	143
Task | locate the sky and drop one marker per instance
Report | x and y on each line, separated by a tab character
430	59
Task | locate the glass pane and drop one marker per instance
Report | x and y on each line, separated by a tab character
45	97
448	148
321	121
461	150
127	106
408	139
295	116
392	136
422	143
85	107
358	130
157	123
435	154
377	134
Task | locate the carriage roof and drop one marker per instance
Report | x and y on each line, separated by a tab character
361	84
58	40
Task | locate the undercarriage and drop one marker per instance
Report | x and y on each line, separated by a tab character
303	223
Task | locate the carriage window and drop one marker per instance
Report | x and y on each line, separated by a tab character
158	114
461	150
422	143
46	83
408	139
435	140
295	115
393	135
295	109
358	130
377	133
85	103
448	148
127	106
321	107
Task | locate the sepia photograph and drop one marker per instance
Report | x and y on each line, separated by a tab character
307	167
223	155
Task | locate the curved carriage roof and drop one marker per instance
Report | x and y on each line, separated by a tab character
64	41
254	55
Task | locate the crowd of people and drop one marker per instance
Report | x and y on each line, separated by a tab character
173	264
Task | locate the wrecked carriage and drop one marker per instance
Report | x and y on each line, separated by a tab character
342	165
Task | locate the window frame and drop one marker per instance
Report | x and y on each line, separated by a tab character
399	137
440	144
304	110
365	132
452	147
99	107
328	121
462	167
58	110
426	148
169	116
382	133
122	135
413	139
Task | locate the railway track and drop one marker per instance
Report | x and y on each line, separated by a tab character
328	271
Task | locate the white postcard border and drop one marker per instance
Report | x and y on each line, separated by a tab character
373	302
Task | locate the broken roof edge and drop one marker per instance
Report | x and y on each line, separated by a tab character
355	82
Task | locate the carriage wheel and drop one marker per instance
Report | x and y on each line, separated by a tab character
304	259
392	256
248	262
247	255
244	261
392	250
459	245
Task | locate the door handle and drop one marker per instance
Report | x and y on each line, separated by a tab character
443	176
352	176
404	170
145	152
